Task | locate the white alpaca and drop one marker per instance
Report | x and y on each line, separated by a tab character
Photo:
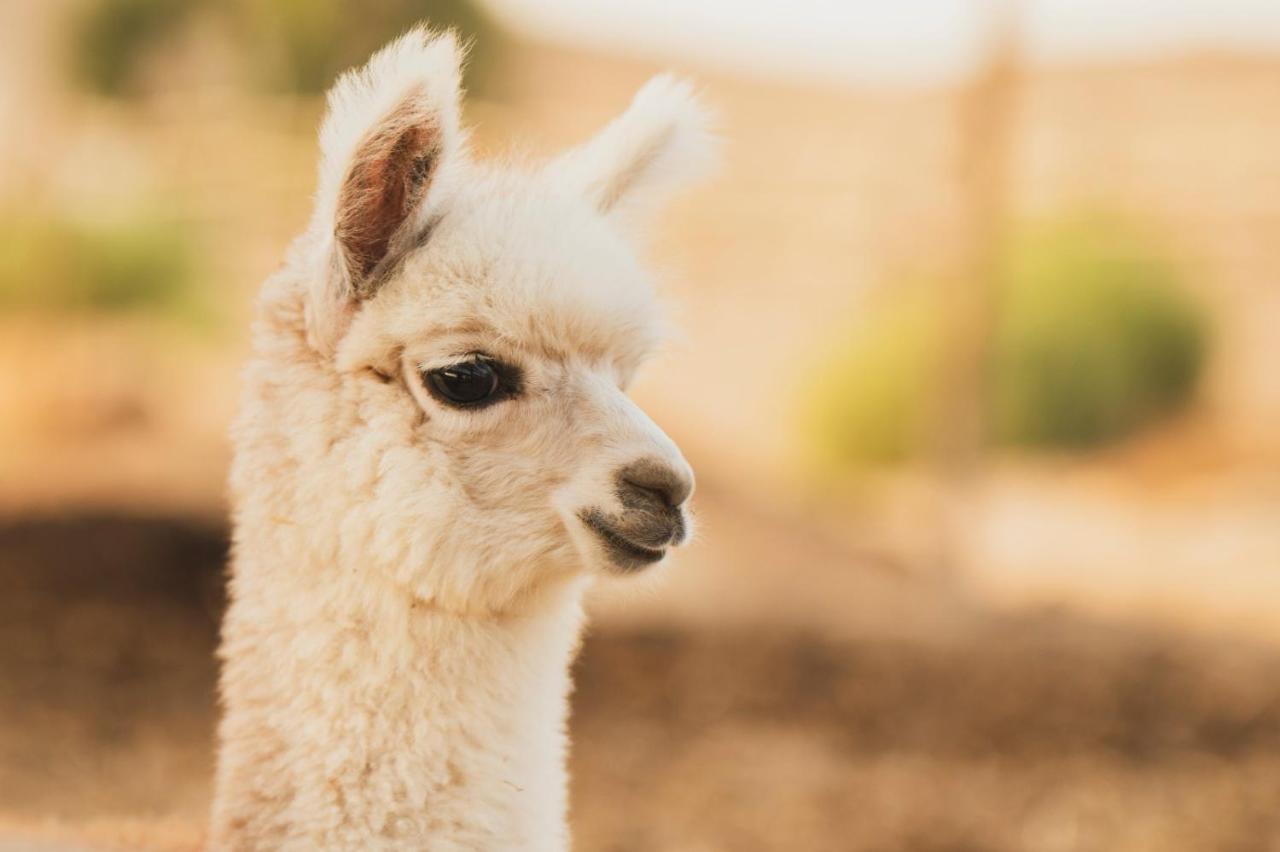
434	455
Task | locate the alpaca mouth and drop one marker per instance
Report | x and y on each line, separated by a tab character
625	554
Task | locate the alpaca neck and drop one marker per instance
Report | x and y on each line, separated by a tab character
372	720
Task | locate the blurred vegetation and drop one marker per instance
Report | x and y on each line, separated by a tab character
297	46
112	39
1095	337
302	45
53	263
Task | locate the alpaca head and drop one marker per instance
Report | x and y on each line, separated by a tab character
480	327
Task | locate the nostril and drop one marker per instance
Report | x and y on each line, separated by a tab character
657	481
657	493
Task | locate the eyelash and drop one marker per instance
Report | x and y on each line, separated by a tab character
508	382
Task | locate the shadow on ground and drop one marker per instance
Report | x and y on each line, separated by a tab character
1039	732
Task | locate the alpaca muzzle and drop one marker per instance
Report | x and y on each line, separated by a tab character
652	495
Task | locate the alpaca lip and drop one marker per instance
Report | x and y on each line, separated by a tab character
627	554
623	552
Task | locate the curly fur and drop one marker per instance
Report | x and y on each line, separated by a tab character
406	576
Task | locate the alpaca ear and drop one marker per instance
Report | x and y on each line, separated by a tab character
390	130
661	143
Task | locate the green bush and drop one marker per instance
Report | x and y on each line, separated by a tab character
1097	337
295	46
1094	338
56	264
869	402
111	39
303	45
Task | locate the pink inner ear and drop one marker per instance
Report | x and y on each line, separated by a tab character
388	178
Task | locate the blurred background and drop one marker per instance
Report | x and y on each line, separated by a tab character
980	372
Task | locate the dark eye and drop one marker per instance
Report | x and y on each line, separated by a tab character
465	383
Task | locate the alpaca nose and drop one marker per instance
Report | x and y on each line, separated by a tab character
646	482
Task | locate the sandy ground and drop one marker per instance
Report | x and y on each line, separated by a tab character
964	730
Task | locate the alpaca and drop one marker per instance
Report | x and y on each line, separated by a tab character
433	457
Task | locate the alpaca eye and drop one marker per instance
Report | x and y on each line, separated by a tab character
464	384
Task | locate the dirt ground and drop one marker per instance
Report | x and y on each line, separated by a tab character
1038	731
